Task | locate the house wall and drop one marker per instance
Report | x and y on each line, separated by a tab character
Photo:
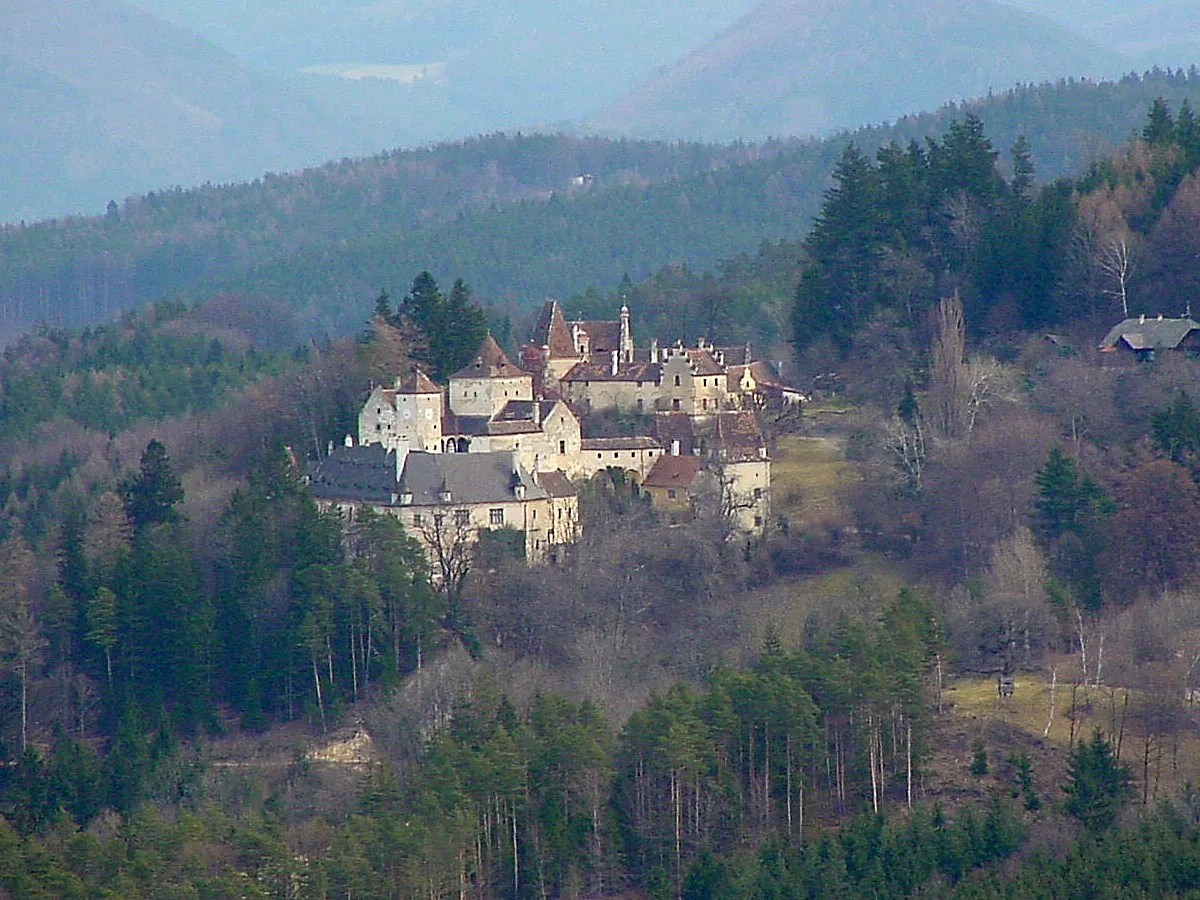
537	518
673	510
637	462
487	396
751	513
388	418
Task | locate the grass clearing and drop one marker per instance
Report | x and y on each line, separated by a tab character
807	475
1167	762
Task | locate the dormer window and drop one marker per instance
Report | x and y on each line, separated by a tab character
676	381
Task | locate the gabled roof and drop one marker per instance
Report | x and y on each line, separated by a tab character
703	363
416	382
489	362
673	472
763	372
552	332
739	438
1144	333
470	478
366	474
602	336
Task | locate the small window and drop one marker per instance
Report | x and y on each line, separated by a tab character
496	516
675	403
758	521
378	427
641	404
560	512
562	446
639	384
670	493
758	493
704	404
704	382
418	520
438	520
633	454
616	455
462	517
676	381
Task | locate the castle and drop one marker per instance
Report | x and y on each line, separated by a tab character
500	445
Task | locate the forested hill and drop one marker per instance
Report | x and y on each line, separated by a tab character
503	212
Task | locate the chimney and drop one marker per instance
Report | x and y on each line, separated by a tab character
537	412
654	350
402	448
1160	317
675	448
748	358
349	441
614	362
1142	319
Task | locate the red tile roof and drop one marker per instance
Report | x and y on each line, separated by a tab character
489	362
417	382
673	472
553	332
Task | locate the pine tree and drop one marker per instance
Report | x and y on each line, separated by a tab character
1099	784
1160	127
151	496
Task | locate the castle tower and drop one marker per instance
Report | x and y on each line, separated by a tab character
485	385
419	411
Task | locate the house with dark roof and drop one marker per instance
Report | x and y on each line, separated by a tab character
1143	337
446	500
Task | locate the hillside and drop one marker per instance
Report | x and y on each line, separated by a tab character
146	105
502	213
1149	32
489	66
802	67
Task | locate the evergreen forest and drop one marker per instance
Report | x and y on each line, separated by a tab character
961	663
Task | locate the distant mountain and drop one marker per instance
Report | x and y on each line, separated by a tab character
808	67
100	100
1149	32
511	215
488	65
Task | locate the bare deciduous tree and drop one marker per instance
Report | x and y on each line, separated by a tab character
948	369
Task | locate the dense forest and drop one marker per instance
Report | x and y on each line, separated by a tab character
187	641
502	212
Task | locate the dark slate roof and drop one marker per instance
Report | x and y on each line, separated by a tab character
522	410
636	442
1144	333
366	474
673	472
469	477
602	335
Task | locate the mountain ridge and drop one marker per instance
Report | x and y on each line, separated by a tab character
148	104
783	68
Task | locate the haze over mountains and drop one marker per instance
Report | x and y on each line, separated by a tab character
812	66
101	100
149	105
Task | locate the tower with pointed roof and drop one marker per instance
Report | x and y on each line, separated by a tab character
488	383
410	413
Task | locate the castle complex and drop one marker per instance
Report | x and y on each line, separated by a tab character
500	445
